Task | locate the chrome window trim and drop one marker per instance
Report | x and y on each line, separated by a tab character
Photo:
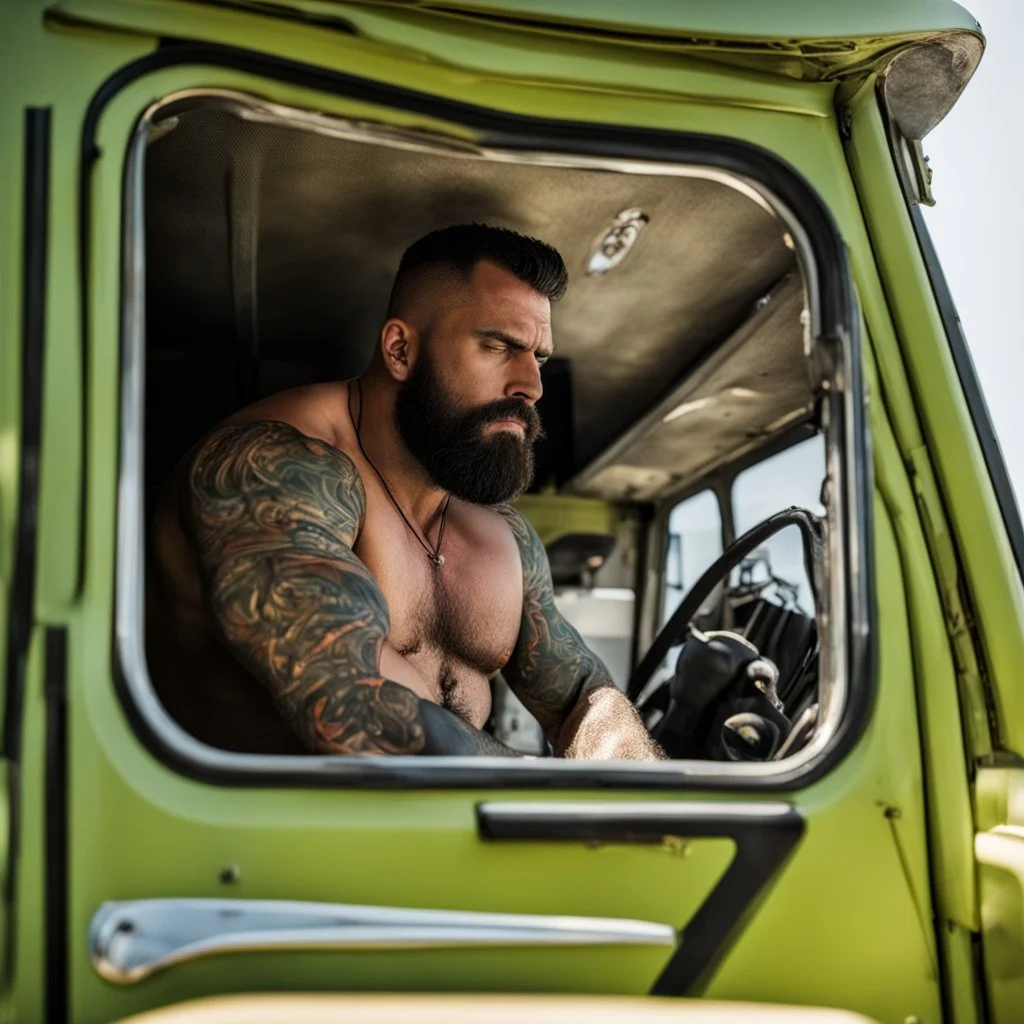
403	771
131	940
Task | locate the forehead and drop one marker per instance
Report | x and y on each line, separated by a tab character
492	291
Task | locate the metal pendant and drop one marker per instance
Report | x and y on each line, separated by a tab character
438	560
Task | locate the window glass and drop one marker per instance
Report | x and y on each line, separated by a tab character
694	542
792	477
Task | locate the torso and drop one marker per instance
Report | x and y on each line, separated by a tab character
451	626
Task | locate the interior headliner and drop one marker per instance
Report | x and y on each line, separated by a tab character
271	250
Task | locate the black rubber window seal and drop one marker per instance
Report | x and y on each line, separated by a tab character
56	789
21	609
35	232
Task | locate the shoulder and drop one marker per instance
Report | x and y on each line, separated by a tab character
258	466
523	532
316	410
531	549
263	452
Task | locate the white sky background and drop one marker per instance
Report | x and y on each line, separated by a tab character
977	224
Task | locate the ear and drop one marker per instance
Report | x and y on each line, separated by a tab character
399	346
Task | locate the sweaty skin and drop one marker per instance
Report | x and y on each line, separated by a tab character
292	610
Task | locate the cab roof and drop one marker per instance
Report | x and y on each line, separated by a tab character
734	19
824	40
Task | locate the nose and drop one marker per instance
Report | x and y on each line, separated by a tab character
525	382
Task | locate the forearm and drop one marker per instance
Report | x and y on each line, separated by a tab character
378	716
445	733
327	683
605	726
560	680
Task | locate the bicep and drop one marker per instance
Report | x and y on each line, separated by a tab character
265	485
274	515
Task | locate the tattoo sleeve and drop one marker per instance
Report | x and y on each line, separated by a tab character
559	679
274	515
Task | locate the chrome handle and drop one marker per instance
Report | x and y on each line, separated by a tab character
131	940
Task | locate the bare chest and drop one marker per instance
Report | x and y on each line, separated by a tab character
453	625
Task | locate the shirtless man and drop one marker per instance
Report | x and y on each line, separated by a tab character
336	569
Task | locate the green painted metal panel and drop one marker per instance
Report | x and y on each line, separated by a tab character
22	999
399	44
850	917
831	903
753	19
993	584
157	811
948	794
64	79
810	42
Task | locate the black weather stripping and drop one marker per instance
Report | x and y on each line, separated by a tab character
56	783
35	227
765	835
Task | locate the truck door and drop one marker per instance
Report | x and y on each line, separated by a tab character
182	871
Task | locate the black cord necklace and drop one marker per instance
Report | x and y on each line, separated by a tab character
435	556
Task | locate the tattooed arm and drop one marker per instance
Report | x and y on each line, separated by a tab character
559	680
274	515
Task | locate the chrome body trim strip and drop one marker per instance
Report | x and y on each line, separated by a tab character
133	939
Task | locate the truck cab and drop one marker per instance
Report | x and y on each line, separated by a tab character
761	422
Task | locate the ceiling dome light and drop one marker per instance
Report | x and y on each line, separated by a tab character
620	237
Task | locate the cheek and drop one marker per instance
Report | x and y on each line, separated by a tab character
477	377
457	385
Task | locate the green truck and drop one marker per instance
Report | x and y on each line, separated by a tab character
761	418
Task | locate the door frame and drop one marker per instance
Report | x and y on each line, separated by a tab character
834	324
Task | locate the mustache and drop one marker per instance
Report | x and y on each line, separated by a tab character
450	442
510	409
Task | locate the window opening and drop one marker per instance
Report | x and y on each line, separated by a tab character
605	457
792	477
694	542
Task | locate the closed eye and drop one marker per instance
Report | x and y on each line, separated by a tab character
499	341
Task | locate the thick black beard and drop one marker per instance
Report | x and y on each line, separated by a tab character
450	444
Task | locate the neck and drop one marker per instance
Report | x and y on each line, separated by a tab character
373	411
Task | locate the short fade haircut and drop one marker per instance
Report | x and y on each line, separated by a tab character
461	247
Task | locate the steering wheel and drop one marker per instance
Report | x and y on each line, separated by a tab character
676	630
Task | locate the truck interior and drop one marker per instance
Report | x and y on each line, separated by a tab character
683	408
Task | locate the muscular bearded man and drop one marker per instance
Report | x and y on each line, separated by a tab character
337	570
